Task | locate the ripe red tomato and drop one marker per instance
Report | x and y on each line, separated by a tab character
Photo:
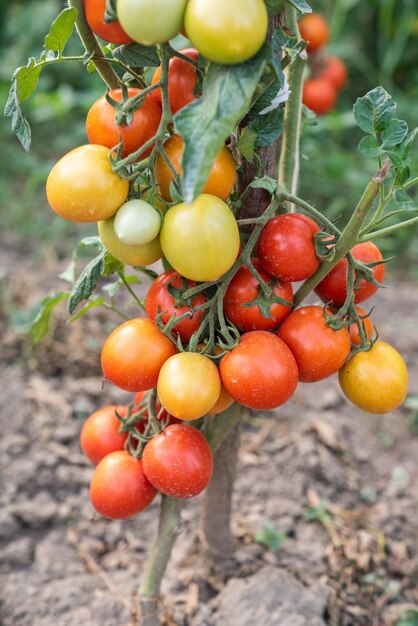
119	488
314	29
318	349
286	247
178	461
319	95
243	289
134	353
160	300
101	127
101	434
111	32
335	71
367	325
333	288
182	80
260	372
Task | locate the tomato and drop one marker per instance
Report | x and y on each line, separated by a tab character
260	372
134	353
112	31
101	127
223	403
335	71
82	187
200	240
367	326
318	349
178	461
221	179
376	380
243	289
226	32
319	95
137	223
119	488
333	288
286	247
160	300
151	21
182	80
130	255
101	434
314	29
188	385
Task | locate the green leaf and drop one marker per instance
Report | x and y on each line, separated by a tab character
270	536
111	265
87	281
268	127
394	134
274	6
87	307
410	618
369	146
399	155
110	13
403	200
27	79
403	176
246	143
266	182
374	111
61	30
20	125
301	6
206	123
39	325
91	242
136	55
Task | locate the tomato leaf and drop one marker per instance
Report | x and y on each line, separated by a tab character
404	201
92	304
91	242
301	6
20	125
61	30
394	134
374	111
39	324
87	281
369	146
267	126
266	182
110	13
206	123
246	143
136	55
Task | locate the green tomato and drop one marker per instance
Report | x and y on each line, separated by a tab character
130	255
151	21
137	223
226	31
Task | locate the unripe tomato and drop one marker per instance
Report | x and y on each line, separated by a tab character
260	372
333	288
367	326
160	301
151	21
112	31
200	240
119	488
223	403
314	29
101	127
101	434
286	247
226	32
376	380
319	95
82	187
319	350
221	179
182	80
178	461
134	353
130	255
137	223
335	71
188	385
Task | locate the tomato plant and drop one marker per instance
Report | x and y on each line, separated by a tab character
367	325
182	80
314	29
151	21
109	31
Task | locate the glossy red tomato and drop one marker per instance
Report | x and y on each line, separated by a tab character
318	349
101	127
182	80
243	289
112	31
286	247
367	326
335	71
260	372
319	95
119	488
101	434
314	29
160	300
178	461
134	353
333	288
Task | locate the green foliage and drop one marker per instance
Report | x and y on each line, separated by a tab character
270	537
410	618
39	324
319	513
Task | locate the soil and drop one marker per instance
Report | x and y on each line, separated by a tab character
338	485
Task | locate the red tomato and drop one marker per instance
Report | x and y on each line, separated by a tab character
314	29
182	80
119	488
134	353
160	300
243	289
335	71
286	247
260	372
101	434
319	95
101	127
367	325
318	349
178	461
333	288
112	32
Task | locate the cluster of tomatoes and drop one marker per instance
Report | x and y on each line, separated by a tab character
328	74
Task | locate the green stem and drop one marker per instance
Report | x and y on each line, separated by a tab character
310	209
131	291
389	230
414	181
217	427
